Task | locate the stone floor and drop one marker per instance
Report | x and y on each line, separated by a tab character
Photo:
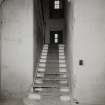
20	102
11	102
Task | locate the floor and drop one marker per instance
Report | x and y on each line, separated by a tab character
11	102
20	102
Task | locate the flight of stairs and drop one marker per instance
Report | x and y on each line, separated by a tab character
51	84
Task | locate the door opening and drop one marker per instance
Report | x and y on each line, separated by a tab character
56	37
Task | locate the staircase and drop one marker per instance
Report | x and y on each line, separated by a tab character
51	84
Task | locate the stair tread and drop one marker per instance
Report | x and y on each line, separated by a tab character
53	93
52	73
52	78
50	85
55	74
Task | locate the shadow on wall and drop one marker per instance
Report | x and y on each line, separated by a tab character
38	31
68	42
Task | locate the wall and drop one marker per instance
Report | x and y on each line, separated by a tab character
38	32
0	41
53	25
17	47
88	43
69	43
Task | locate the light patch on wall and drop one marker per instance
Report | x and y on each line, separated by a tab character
69	0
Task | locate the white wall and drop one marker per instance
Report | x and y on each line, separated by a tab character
17	47
88	43
0	41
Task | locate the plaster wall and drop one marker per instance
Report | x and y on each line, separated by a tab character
17	47
88	44
0	41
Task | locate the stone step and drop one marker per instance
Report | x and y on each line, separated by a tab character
46	92
56	76
51	79
55	73
50	85
52	72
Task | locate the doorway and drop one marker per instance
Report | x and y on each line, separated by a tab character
56	37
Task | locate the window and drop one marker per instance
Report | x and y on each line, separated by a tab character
56	38
56	4
56	9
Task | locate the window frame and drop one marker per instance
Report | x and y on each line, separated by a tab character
57	4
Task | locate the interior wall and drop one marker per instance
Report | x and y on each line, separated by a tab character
69	45
39	32
0	42
53	25
17	47
88	44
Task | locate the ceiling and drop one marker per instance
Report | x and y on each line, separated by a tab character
1	1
